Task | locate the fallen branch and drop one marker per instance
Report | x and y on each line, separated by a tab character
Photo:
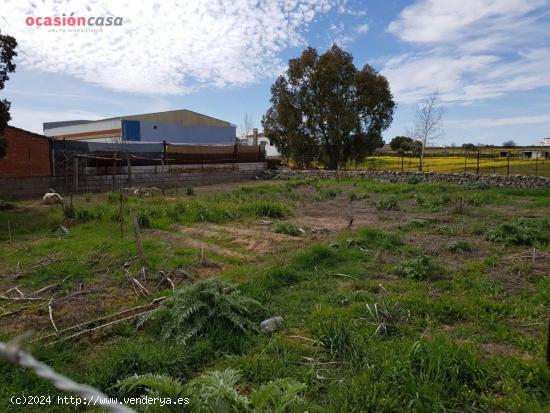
50	312
151	305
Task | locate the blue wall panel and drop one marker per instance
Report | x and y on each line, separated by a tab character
131	130
194	134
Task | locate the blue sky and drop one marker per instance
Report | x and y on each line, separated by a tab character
488	59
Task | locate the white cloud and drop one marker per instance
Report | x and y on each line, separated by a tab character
469	21
490	123
362	28
471	50
165	47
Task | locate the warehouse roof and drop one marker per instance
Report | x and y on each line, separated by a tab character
165	116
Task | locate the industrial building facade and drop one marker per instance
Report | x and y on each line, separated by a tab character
177	126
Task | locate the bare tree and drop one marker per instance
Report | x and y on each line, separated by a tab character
245	128
428	123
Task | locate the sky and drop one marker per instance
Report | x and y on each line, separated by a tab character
489	60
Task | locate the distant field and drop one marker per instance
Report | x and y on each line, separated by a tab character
495	165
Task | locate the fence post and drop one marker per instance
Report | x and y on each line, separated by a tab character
508	158
536	165
402	162
114	171
465	158
477	168
129	166
75	172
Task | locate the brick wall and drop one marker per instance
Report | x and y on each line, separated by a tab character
28	155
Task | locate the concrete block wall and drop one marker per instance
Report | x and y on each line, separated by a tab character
25	188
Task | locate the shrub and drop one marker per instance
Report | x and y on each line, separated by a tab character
388	204
210	304
189	190
287	228
521	231
418	268
460	246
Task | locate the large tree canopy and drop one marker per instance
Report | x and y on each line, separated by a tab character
323	108
7	54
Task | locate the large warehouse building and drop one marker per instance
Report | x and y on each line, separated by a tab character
176	126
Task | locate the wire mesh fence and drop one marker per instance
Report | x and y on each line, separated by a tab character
478	163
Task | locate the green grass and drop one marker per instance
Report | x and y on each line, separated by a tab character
395	315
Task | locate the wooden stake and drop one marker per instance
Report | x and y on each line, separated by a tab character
137	236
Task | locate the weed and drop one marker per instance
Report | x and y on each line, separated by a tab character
387	204
352	196
267	209
460	246
217	391
207	305
287	228
385	316
335	336
419	200
326	193
189	190
521	231
422	267
375	238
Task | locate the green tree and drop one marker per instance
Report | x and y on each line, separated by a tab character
7	54
469	147
323	108
402	144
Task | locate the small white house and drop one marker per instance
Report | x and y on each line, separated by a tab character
258	138
545	142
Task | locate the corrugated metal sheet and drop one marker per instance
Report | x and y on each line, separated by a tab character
182	117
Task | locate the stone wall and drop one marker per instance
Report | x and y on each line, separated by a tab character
515	181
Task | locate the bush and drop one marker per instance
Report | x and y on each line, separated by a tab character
287	228
208	305
387	204
189	191
418	268
460	246
522	231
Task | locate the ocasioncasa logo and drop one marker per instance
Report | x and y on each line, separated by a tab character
72	21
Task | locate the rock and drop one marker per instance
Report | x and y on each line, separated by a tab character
272	324
51	198
61	230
